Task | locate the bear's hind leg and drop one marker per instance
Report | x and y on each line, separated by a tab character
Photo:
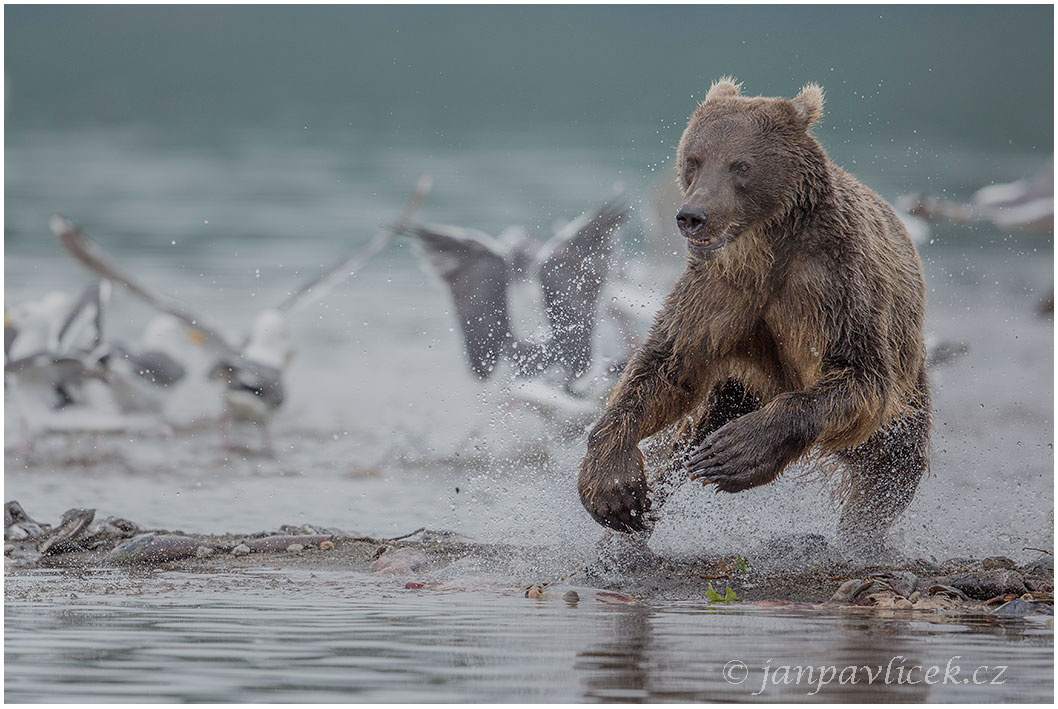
884	473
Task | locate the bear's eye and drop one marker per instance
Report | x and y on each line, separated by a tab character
740	167
689	168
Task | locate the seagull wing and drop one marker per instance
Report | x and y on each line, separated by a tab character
323	283
153	366
574	264
473	266
260	380
95	259
88	312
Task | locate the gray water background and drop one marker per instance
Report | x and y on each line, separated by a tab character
226	153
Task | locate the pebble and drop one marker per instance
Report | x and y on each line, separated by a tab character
295	548
1015	609
571	597
536	592
326	545
1044	566
997	562
925	566
240	550
203	551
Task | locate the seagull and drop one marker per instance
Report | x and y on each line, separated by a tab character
251	369
92	256
19	526
1026	205
571	268
142	378
253	376
53	352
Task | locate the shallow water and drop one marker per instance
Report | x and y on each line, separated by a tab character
270	636
381	438
223	173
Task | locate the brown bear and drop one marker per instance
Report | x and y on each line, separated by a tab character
795	328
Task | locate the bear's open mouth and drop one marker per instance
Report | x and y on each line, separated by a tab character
711	243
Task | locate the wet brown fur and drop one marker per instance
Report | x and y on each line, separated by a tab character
803	334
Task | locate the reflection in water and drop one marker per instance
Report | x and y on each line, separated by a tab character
617	669
300	635
697	654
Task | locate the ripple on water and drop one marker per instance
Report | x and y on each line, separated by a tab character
342	636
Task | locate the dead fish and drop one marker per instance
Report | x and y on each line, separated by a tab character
940	602
281	542
902	582
154	548
399	561
984	585
886	599
72	526
848	591
304	529
419	585
18	525
109	532
616	598
939	589
116	527
535	592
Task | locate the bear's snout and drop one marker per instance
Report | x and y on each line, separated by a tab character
691	220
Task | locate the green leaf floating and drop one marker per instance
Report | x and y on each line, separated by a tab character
729	595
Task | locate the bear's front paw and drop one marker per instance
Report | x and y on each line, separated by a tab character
743	454
614	490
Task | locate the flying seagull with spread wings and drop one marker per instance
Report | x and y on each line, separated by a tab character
571	268
251	368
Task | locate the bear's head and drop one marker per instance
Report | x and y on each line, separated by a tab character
742	161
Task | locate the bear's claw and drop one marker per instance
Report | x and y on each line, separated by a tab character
735	459
622	508
614	491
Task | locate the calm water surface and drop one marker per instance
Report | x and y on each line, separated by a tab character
336	636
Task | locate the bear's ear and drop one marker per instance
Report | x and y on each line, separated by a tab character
809	103
725	86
